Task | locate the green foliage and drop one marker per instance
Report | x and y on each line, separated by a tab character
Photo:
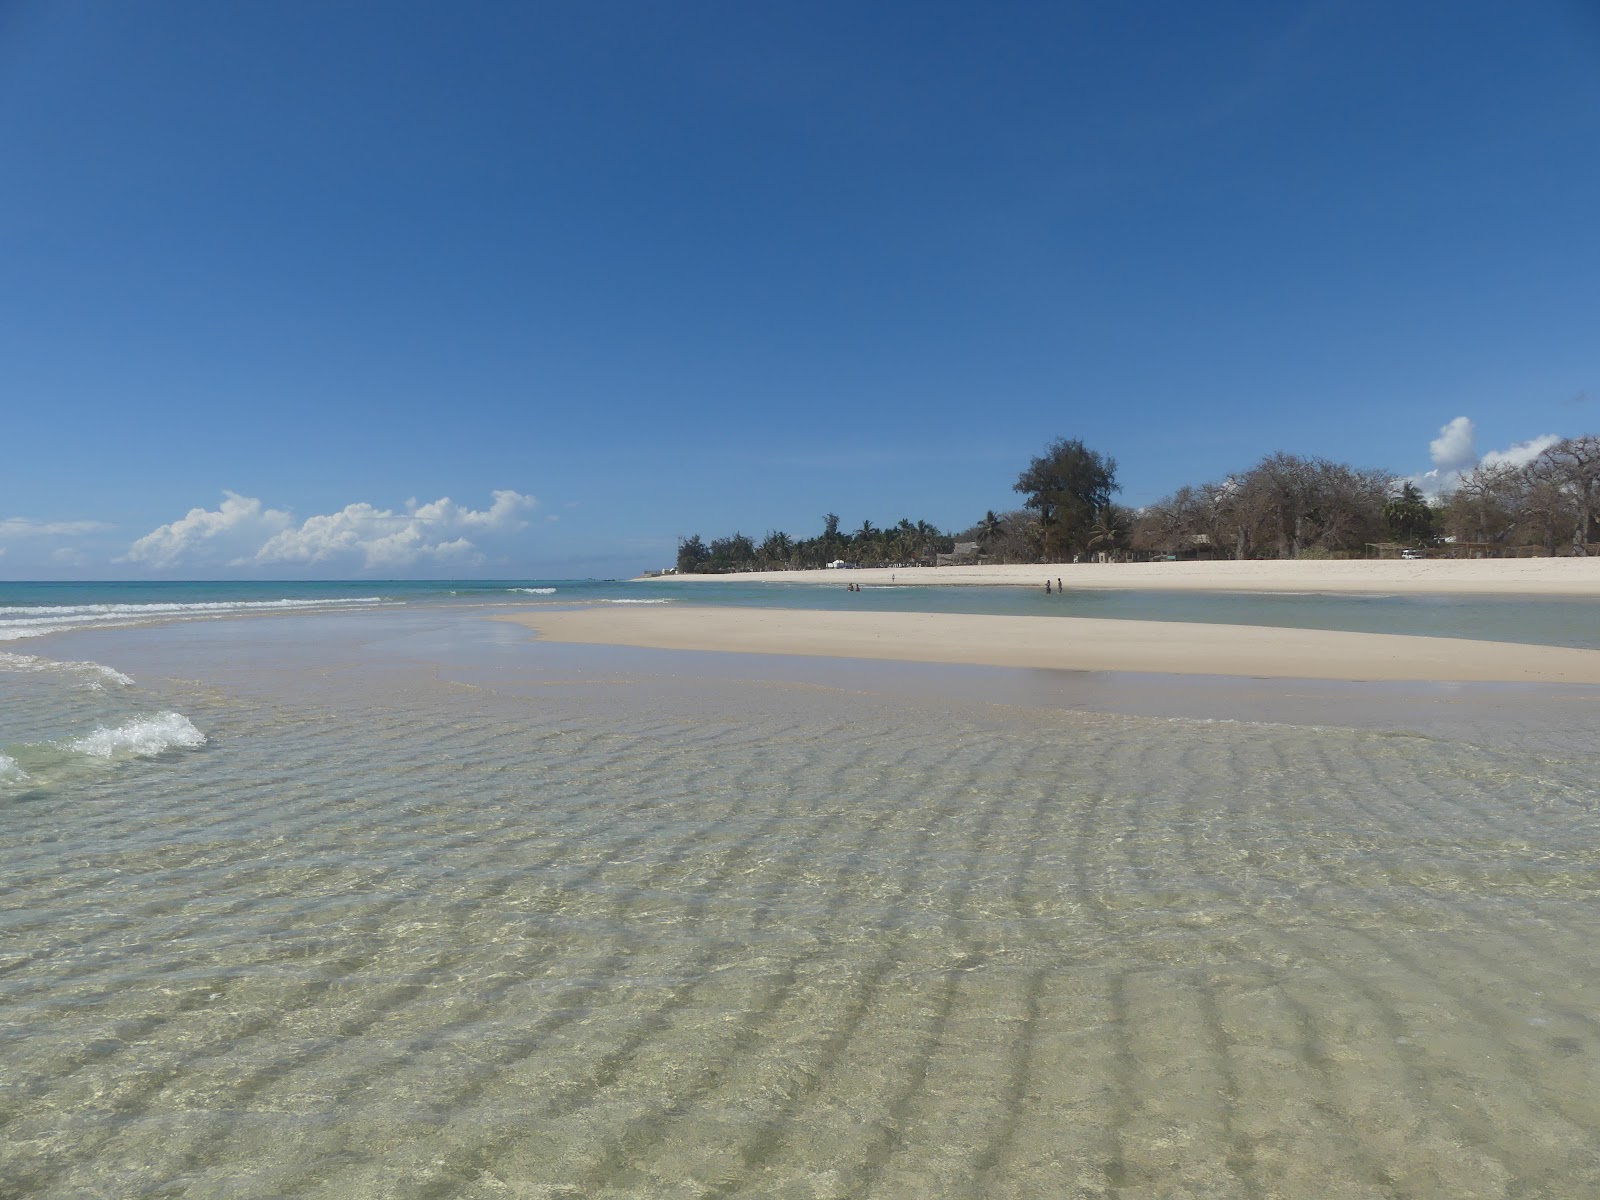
1408	516
989	529
730	554
692	554
1285	506
1068	486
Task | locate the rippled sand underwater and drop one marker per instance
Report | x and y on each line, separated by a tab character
598	934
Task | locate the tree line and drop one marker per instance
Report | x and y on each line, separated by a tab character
905	542
1291	507
1285	506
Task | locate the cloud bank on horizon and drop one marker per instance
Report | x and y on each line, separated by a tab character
242	532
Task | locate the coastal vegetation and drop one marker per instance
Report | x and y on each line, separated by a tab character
1285	506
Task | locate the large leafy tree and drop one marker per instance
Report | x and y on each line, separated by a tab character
731	553
692	554
1068	486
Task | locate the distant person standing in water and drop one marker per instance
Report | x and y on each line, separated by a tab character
1046	587
1060	587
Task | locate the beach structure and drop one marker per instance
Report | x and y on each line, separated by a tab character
961	554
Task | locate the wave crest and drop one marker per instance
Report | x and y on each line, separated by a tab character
142	737
32	620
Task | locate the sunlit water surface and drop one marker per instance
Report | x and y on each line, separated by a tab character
437	912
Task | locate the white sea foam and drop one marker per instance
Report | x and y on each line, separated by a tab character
96	675
21	621
534	591
10	772
635	601
141	737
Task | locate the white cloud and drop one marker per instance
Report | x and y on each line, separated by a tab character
69	557
234	527
241	532
21	527
1521	454
1454	453
1453	450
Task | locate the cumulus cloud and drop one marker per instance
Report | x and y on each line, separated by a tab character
236	526
23	527
1454	453
1454	450
1520	454
242	532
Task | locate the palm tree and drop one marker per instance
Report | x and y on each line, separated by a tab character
830	537
905	543
990	528
1043	537
775	549
865	539
905	539
1107	530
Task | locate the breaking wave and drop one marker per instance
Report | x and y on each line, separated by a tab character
21	621
10	772
635	601
142	737
534	591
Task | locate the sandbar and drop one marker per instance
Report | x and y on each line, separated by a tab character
1069	643
1491	576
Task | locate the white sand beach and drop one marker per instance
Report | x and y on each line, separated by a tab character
1501	576
1071	643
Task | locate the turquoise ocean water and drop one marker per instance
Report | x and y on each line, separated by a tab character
27	608
344	890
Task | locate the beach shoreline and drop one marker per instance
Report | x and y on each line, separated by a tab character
1070	643
1501	576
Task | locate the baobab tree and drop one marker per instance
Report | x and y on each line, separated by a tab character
1574	464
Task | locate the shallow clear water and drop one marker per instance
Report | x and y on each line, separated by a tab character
31	609
438	911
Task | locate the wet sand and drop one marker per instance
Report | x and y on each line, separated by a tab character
1071	643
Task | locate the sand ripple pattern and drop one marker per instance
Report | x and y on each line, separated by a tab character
454	944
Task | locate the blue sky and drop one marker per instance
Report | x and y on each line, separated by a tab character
520	289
